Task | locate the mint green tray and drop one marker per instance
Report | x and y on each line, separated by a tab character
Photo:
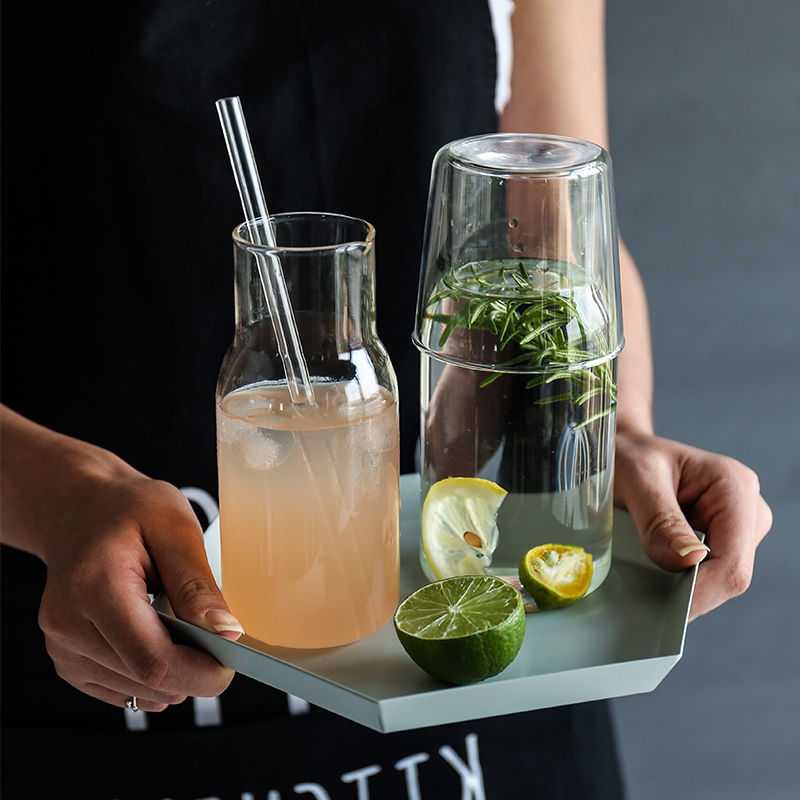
621	640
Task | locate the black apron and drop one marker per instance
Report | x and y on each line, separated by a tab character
117	292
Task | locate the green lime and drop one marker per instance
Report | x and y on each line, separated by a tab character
459	525
556	575
462	629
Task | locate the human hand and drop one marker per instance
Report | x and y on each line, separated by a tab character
115	541
671	489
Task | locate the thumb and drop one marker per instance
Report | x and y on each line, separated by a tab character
666	536
189	584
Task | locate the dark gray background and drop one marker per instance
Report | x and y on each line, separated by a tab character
705	137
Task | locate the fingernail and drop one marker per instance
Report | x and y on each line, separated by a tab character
221	621
683	547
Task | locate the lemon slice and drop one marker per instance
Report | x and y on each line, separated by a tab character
463	629
556	575
459	525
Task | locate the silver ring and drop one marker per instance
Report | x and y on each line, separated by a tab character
131	704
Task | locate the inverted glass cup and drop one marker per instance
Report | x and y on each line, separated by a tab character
309	491
519	328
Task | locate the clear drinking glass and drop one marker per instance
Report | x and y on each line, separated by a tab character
309	493
519	328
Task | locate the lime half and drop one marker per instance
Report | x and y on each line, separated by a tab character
463	629
556	575
459	525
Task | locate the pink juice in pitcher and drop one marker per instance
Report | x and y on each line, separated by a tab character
309	506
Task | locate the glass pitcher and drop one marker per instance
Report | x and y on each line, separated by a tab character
309	493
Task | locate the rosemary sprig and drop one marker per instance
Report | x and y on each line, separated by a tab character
533	316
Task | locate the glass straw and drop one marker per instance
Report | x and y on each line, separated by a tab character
254	205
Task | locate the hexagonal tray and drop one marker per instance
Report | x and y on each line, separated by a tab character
623	639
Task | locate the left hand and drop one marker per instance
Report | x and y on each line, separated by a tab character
672	490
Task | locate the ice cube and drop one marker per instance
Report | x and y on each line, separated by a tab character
253	447
258	449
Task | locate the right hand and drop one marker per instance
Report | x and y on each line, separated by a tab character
112	548
109	535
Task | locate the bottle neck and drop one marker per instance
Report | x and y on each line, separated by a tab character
331	288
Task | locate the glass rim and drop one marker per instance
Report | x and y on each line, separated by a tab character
482	366
242	241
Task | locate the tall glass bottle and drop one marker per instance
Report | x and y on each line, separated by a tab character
309	492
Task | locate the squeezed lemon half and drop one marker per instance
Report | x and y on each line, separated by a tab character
556	575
